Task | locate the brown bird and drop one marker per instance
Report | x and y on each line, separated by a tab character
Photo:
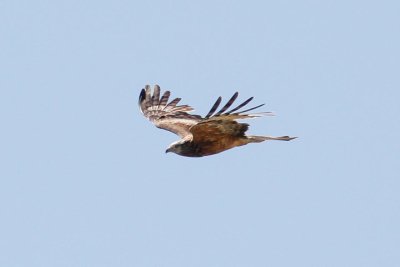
201	136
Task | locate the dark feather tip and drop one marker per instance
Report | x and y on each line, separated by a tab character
142	96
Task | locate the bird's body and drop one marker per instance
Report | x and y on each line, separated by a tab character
201	136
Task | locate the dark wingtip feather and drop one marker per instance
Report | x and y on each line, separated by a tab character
164	99
240	106
142	96
214	107
155	99
228	104
173	103
251	108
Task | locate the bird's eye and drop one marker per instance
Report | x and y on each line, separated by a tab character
162	117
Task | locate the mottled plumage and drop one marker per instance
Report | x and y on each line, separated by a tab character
200	136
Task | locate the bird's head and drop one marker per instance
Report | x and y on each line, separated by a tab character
180	147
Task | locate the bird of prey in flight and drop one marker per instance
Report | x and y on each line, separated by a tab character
201	136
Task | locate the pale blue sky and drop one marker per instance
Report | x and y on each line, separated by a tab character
84	178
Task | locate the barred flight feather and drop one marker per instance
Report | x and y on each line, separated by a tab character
230	102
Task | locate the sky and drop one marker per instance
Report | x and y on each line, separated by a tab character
84	177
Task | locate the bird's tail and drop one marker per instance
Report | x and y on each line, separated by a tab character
258	139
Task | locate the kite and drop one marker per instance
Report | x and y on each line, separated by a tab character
201	136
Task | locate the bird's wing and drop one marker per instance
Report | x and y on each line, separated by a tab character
223	123
164	115
234	113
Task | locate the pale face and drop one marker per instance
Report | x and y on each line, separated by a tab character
181	148
176	147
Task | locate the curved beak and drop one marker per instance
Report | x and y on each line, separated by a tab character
168	150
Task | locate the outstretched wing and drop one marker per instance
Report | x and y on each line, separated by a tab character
234	113
223	124
164	115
